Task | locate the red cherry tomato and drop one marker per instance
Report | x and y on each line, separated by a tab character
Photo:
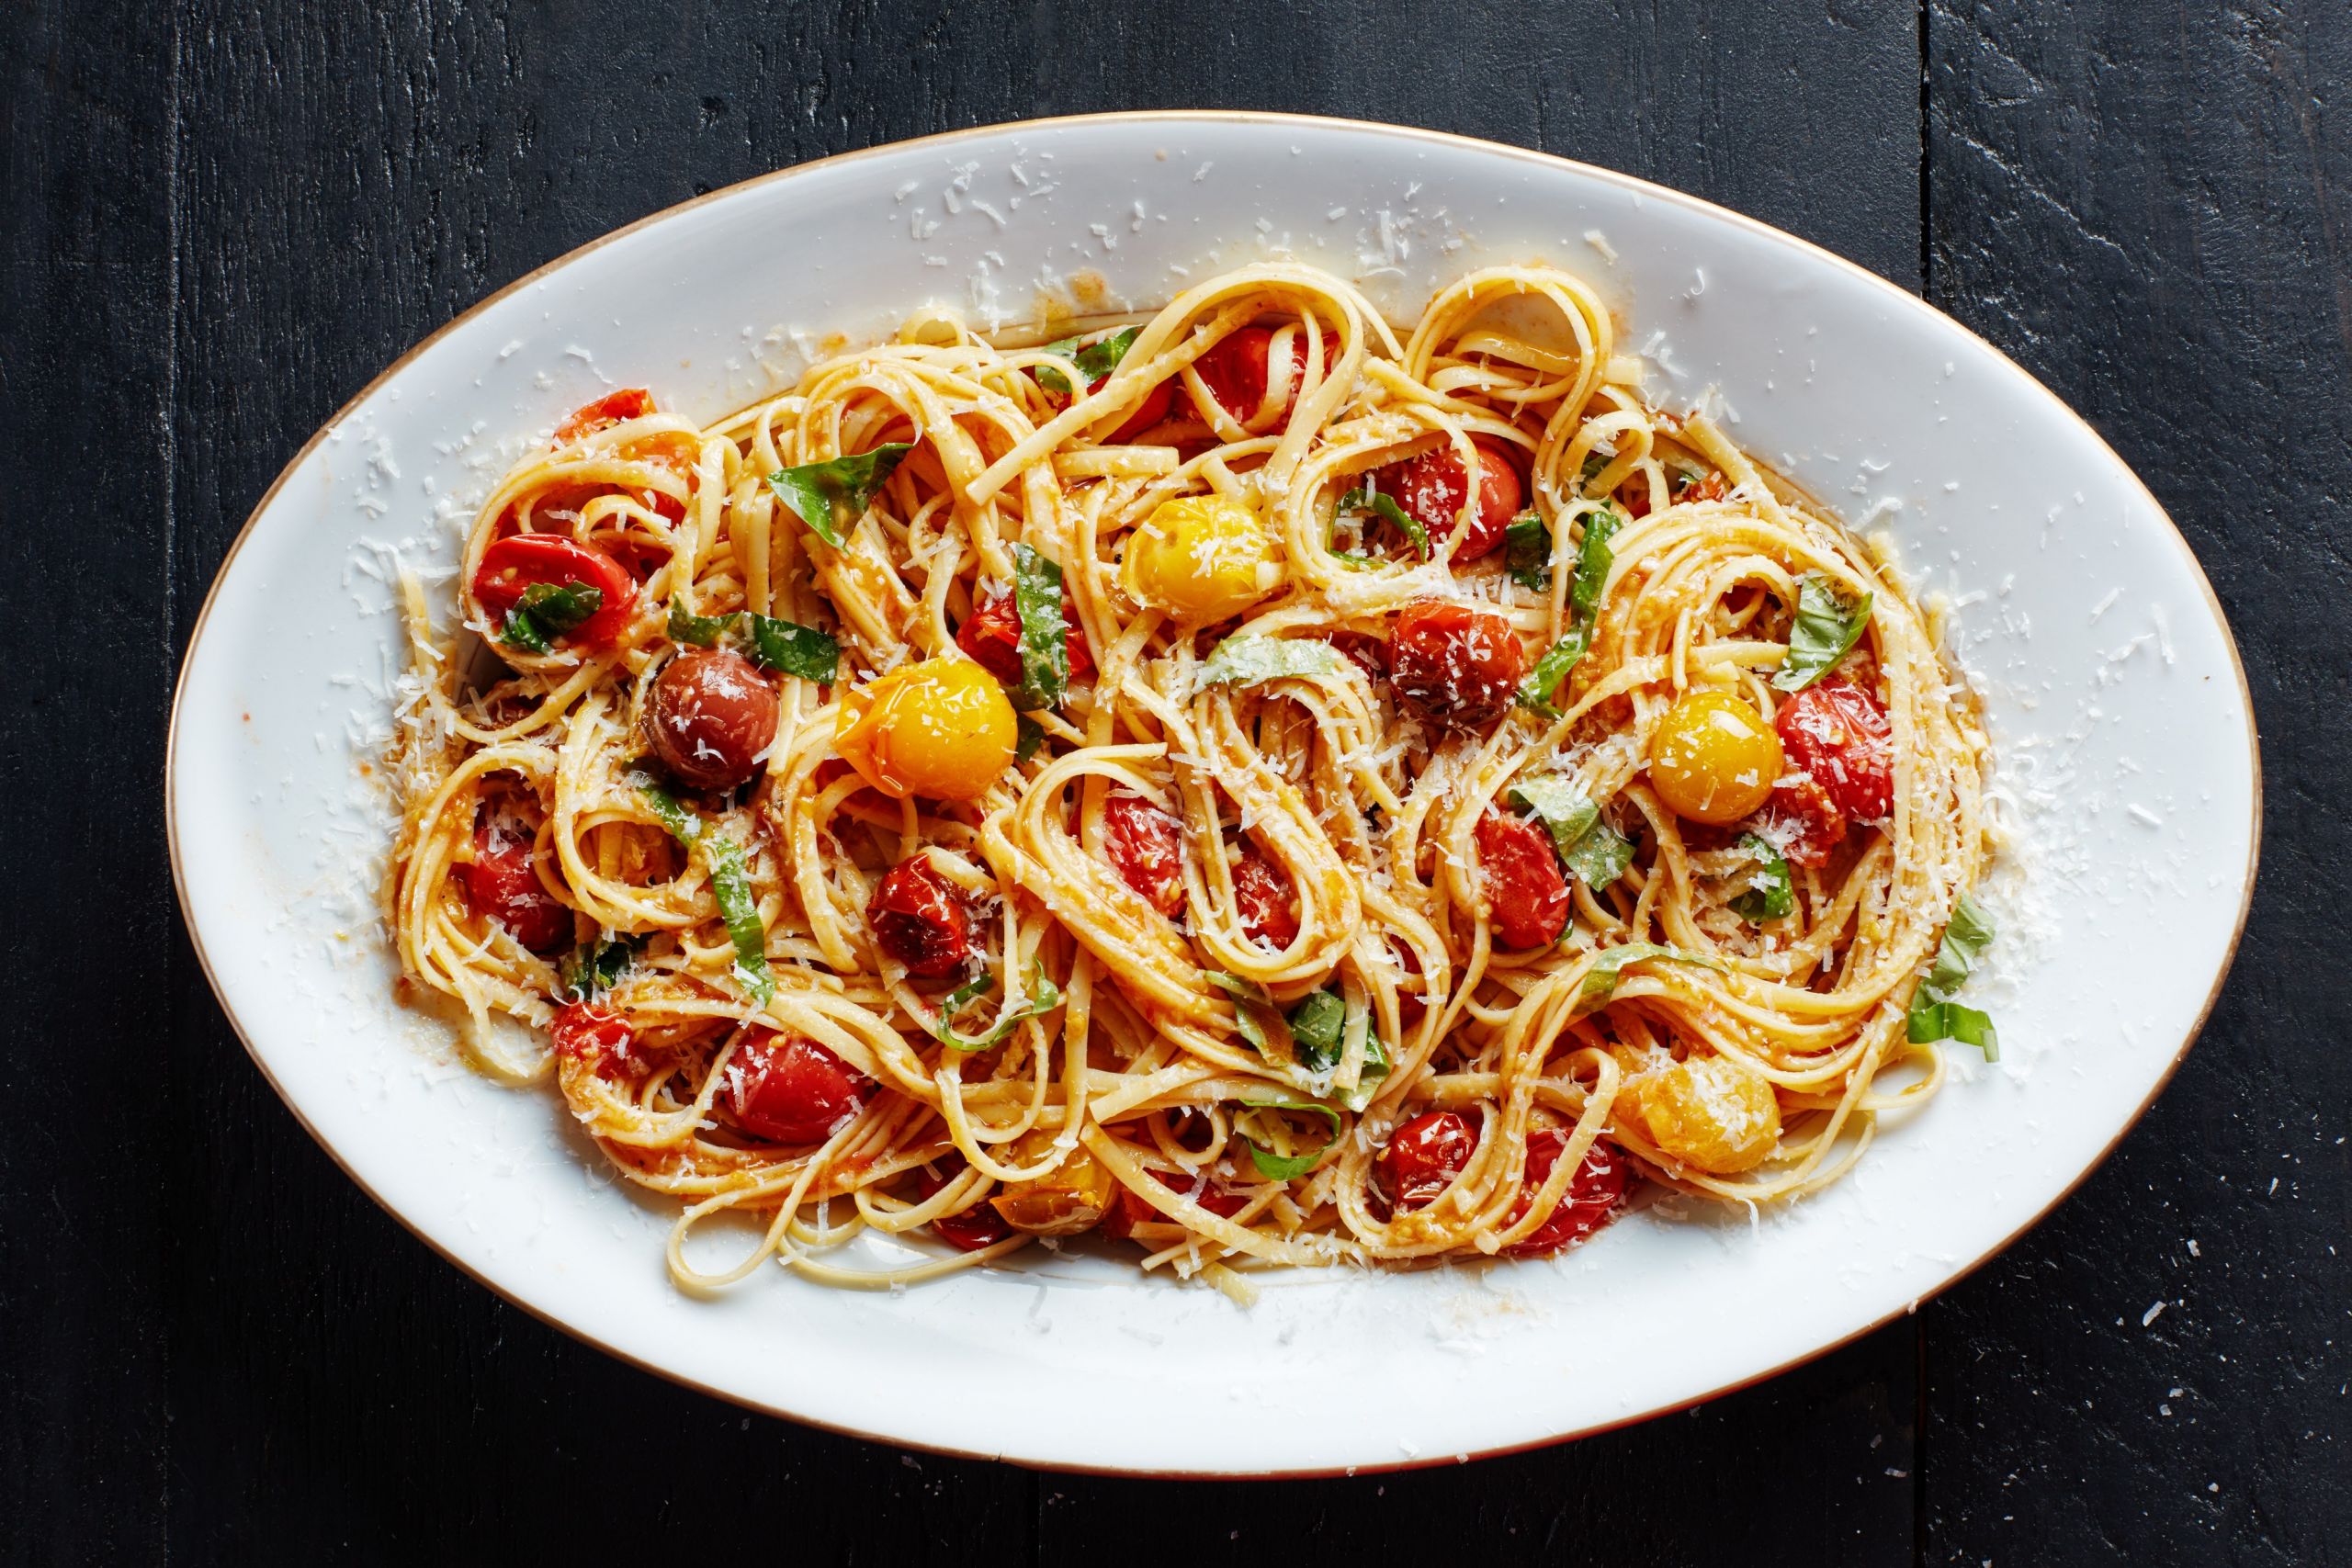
1456	665
613	408
1593	1194
591	1035
503	885
516	562
1149	413
1838	733
977	1226
709	718
1262	894
1367	653
1239	369
990	637
1801	818
1146	847
1525	888
789	1089
1425	1155
920	919
1430	490
1128	1211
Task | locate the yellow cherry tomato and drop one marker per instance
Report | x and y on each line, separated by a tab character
941	729
1713	758
1708	1113
1065	1201
1201	557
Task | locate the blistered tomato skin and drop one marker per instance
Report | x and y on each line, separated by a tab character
1431	489
789	1089
1072	1198
1146	846
1245	366
503	885
1708	1113
613	408
921	919
1201	558
1454	664
1714	759
594	1036
711	716
1593	1194
514	565
1527	894
1801	821
990	635
941	729
1424	1155
1836	732
1263	895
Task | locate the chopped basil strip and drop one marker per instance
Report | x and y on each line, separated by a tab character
1286	1168
832	496
1099	358
1594	558
1044	635
1827	626
795	649
703	631
1934	1015
1027	735
1769	895
547	611
1600	856
1364	500
1527	551
1044	998
1376	1068
1587	846
589	971
730	884
1600	980
1317	1024
1247	997
1246	661
682	824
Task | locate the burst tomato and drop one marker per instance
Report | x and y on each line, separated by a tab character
1836	732
991	635
613	408
1430	490
521	561
1128	1211
504	886
1802	821
1146	847
1593	1194
1425	1155
1263	895
976	1226
1455	664
1240	370
789	1089
920	919
593	1036
1526	891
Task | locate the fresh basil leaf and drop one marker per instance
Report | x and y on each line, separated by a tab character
1934	1015
1027	735
1317	1023
1289	1167
832	495
1827	626
1362	499
1246	661
1527	551
1247	997
1045	635
547	611
1600	980
703	631
1594	558
730	884
1044	998
589	971
1769	894
1099	358
795	649
1593	463
682	824
1565	811
1601	855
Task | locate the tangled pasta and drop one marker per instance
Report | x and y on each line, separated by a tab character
1266	790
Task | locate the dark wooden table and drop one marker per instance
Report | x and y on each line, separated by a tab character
220	221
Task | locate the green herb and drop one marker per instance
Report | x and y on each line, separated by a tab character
1376	1068
1600	980
795	649
587	973
1600	856
1044	635
703	631
1287	1168
1527	551
1594	558
1593	463
1769	895
1316	1025
1827	626
682	824
1246	661
1589	846
832	496
1027	735
547	611
1044	998
730	884
1934	1015
1092	361
1247	997
1363	499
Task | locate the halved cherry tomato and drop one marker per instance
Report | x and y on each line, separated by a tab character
1455	664
1128	1211
593	1036
613	408
1241	369
1802	820
1526	890
1593	1194
516	562
1425	1155
1263	895
1430	490
1146	846
920	919
991	635
1836	732
977	1226
503	885
789	1089
1150	412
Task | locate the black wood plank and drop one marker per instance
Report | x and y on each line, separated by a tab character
85	315
351	175
2151	212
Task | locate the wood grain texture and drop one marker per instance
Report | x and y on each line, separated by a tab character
2151	213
